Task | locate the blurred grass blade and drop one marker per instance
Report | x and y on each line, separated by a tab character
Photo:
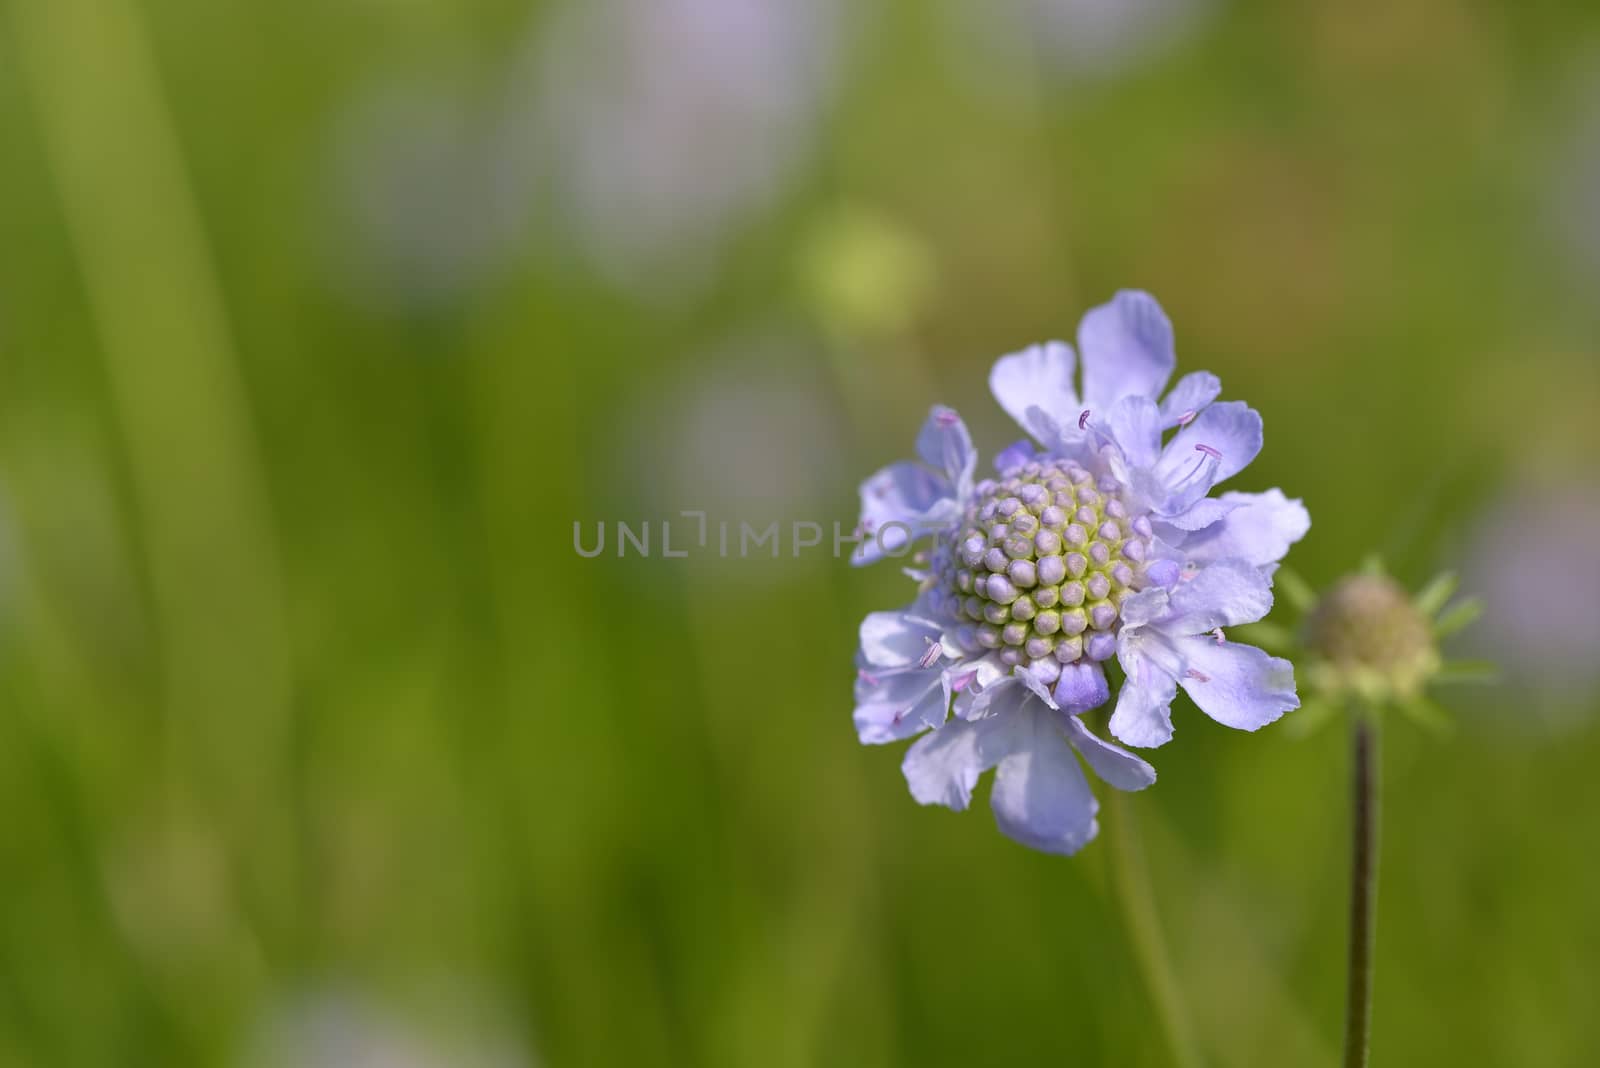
1311	717
1458	617
1436	593
158	314
1269	636
1426	713
1296	590
1468	671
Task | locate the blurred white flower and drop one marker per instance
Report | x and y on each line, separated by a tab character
754	435
1575	217
1000	41
427	208
341	1028
662	125
644	131
1532	558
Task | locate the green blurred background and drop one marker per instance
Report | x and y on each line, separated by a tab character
322	322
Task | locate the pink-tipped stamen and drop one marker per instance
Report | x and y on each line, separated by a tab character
1221	638
1187	417
930	655
1196	676
868	677
1209	451
1083	419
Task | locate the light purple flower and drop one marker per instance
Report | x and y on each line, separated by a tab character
661	126
1100	540
1531	556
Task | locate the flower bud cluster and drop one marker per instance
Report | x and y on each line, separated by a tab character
1040	566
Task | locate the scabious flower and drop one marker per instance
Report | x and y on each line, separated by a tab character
1098	539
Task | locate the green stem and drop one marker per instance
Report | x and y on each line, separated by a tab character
1363	889
1133	892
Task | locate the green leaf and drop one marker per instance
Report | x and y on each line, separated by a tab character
1436	593
1468	671
1312	715
1458	616
1296	590
1269	636
1428	715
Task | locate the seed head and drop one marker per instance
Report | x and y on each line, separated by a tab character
1371	640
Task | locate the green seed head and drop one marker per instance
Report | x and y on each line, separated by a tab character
1370	640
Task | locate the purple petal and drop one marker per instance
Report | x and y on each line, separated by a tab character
1189	397
1037	377
945	445
1014	456
1082	686
897	705
1258	528
1163	572
904	495
1033	685
1223	594
1143	716
944	765
988	680
1135	425
1146	606
895	639
1219	444
1114	764
1203	513
1127	349
1237	685
1040	796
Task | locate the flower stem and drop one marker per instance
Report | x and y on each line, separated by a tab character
1363	888
1133	892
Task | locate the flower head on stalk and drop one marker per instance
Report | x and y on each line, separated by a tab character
1369	645
1097	539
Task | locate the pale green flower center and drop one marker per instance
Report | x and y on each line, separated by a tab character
1041	563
